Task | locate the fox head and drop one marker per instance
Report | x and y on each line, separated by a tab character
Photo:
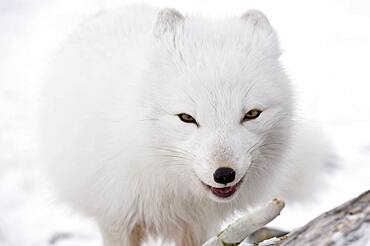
220	100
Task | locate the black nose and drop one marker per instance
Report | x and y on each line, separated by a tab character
224	175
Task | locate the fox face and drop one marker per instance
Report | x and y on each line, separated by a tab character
222	102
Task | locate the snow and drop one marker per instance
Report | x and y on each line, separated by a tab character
326	51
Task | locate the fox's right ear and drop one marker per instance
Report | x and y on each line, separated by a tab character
169	21
257	19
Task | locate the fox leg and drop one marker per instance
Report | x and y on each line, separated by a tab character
122	238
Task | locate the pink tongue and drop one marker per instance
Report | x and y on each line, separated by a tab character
223	192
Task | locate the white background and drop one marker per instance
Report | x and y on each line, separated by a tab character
326	53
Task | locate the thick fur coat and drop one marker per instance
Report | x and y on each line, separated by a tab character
117	150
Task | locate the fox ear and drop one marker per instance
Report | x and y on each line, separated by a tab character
257	19
168	21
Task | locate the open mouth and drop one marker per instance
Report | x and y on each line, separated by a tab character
224	192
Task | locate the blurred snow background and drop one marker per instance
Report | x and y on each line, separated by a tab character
326	52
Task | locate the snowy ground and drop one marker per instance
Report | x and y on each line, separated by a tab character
326	51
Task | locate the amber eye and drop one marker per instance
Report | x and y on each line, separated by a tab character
251	115
187	118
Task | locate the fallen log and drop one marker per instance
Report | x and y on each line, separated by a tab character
348	224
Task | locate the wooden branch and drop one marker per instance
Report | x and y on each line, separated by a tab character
239	230
348	224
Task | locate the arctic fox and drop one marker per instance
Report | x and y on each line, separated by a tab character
155	123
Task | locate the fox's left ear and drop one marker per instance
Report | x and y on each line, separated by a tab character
257	19
169	21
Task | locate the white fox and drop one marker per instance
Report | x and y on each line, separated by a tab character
155	123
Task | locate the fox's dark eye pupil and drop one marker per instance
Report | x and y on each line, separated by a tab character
187	118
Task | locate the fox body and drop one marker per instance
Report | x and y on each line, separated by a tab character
142	107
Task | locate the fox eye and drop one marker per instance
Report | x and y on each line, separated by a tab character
251	115
187	118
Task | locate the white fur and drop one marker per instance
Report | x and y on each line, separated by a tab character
118	152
